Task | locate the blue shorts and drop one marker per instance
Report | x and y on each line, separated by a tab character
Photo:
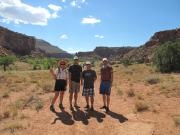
105	88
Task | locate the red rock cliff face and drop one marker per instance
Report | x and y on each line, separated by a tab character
145	52
18	43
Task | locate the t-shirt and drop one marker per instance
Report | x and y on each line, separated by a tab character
106	72
75	71
88	76
61	73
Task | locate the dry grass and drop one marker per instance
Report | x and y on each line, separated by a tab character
176	120
13	127
152	79
28	91
130	93
141	106
6	94
119	92
39	105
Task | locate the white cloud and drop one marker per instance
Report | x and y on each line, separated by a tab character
54	7
77	3
99	36
63	1
90	20
18	12
64	36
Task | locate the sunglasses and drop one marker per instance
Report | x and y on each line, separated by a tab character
62	64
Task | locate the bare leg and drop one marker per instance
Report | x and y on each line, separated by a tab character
108	100
75	98
104	100
61	96
87	100
70	98
92	101
55	97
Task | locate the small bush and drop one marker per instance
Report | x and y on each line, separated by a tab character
47	87
130	93
13	127
153	79
126	62
141	106
119	92
39	105
6	94
6	114
176	120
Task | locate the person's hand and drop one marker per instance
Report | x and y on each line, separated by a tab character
51	70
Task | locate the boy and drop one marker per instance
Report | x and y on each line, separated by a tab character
88	79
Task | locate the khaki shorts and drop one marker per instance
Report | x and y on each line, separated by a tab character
75	87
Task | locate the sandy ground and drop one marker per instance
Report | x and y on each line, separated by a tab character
121	120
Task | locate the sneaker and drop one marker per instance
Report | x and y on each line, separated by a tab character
92	109
52	108
76	106
61	106
71	108
87	107
107	109
103	107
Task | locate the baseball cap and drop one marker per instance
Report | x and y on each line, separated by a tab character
88	63
76	58
104	59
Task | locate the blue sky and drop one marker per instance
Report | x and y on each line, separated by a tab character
81	25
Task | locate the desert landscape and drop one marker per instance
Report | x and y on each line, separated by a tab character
143	102
139	39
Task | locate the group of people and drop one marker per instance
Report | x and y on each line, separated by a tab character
76	76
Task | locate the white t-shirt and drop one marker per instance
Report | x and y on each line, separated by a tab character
61	73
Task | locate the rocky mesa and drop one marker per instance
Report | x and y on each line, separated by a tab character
20	44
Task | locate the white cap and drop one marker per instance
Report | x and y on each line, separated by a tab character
104	59
76	58
88	63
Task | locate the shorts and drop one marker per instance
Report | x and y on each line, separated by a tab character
105	88
88	92
75	87
60	85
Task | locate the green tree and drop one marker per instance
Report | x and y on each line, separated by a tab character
167	57
5	61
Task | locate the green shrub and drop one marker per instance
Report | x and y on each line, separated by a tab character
126	62
5	61
167	57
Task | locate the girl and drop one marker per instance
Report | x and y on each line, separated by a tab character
60	75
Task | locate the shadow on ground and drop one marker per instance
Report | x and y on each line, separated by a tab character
64	117
117	116
79	115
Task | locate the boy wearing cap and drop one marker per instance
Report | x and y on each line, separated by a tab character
88	78
106	83
75	73
60	75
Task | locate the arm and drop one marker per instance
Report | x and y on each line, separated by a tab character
70	82
95	76
81	78
111	76
52	73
